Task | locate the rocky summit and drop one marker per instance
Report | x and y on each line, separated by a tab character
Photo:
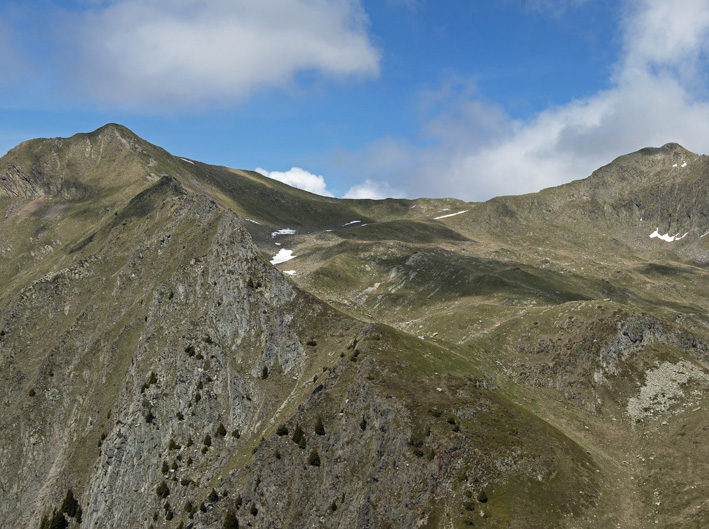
191	346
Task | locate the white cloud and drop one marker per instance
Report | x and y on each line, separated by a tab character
170	53
374	189
299	178
474	150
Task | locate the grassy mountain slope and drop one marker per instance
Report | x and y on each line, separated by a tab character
542	349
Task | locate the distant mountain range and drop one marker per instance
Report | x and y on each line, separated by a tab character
190	346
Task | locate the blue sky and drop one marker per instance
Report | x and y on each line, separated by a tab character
365	98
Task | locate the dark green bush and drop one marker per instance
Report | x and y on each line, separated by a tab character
282	430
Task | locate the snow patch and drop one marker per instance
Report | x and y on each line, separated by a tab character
352	222
684	164
252	220
289	272
285	231
674	165
186	160
282	257
666	237
451	214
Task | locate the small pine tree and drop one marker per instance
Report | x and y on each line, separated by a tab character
221	431
230	521
482	496
297	434
70	505
319	427
264	373
301	443
363	424
162	490
314	459
165	467
282	430
207	440
213	496
58	521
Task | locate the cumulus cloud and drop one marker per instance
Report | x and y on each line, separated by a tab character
374	189
299	178
170	53
475	150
